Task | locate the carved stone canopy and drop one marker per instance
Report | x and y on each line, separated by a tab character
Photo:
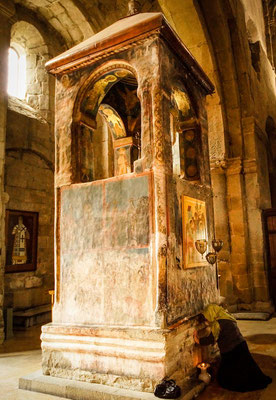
126	33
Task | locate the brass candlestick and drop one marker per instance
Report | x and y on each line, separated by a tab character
211	257
201	246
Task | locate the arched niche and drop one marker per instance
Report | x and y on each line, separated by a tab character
185	134
107	127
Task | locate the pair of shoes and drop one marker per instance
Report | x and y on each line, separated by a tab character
167	389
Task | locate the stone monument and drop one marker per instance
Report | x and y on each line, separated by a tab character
132	195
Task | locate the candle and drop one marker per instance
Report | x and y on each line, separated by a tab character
204	376
203	365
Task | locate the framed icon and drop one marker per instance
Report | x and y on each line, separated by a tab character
194	228
21	240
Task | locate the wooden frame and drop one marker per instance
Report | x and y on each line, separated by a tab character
21	240
194	227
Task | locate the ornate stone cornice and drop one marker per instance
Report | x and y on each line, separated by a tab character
7	8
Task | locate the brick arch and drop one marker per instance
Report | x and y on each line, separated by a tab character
41	156
52	38
68	19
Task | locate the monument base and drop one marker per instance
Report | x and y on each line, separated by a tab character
74	390
135	358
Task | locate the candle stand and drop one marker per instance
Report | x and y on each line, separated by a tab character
211	257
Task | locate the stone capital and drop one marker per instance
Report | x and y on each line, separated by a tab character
7	8
250	166
234	166
218	167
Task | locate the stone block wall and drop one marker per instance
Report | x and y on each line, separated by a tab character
29	182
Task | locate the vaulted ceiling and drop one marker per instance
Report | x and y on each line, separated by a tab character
72	21
76	20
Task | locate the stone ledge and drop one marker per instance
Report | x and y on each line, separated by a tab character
261	316
75	390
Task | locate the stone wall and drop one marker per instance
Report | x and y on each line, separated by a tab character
39	85
29	182
6	13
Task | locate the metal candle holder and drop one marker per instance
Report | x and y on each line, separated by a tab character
211	257
201	246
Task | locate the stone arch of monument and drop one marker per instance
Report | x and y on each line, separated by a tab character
107	110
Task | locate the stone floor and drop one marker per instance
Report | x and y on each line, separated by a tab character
21	355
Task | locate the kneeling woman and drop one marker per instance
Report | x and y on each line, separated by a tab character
237	371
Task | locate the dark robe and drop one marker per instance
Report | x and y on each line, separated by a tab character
237	371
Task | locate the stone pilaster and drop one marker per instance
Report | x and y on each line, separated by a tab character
256	186
160	207
6	12
257	270
238	231
144	94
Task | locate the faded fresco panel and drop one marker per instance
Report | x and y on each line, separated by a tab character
127	212
104	238
81	219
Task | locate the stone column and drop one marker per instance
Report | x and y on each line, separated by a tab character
256	238
238	231
162	168
7	10
257	195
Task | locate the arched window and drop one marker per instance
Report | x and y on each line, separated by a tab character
17	73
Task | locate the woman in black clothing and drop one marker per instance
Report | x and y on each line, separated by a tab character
237	371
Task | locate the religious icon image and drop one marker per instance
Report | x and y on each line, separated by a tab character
114	120
194	229
21	235
21	240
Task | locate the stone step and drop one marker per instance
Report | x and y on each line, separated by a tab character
32	316
262	316
76	390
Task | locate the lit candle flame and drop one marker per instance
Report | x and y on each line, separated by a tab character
203	366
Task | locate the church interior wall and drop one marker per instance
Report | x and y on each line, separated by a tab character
29	164
29	182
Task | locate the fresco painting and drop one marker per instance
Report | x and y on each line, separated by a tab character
114	121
